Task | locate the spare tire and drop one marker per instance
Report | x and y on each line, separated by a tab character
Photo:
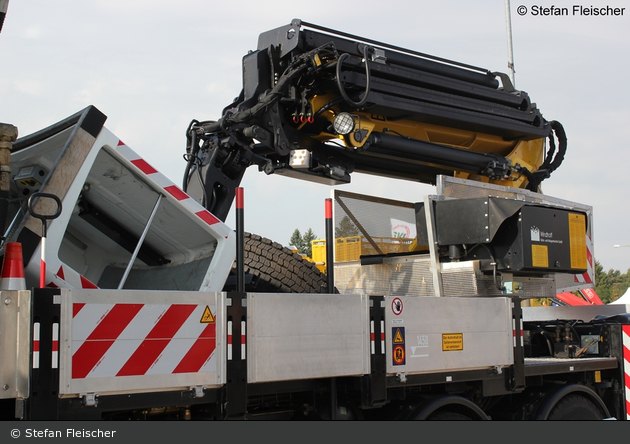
272	268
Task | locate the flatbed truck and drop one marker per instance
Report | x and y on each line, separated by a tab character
137	301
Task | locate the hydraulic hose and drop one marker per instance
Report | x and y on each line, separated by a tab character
553	159
342	91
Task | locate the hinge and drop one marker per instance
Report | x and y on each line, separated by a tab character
89	399
197	391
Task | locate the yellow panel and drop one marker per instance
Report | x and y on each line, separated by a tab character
540	256
577	240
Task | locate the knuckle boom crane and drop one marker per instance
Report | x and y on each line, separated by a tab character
319	104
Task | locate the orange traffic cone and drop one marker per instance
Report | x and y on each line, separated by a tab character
12	277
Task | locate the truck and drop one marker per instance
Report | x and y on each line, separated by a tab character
125	296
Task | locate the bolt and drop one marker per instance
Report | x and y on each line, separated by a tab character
5	387
7	301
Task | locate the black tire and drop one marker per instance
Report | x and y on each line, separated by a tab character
276	269
575	407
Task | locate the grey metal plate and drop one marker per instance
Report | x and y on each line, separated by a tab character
442	334
303	336
583	313
15	337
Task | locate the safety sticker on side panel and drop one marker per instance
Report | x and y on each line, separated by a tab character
398	349
397	306
207	317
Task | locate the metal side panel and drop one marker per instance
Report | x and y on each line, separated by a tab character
140	341
584	313
302	336
441	334
15	318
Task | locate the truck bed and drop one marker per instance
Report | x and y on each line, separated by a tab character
550	366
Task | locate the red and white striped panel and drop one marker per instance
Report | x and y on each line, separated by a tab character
171	189
66	277
589	276
54	345
373	338
514	339
36	337
125	339
626	366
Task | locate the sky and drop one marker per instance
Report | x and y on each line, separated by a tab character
152	66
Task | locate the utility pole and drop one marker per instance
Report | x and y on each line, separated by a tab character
508	23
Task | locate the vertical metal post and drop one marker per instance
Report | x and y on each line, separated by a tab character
330	239
436	269
330	279
240	240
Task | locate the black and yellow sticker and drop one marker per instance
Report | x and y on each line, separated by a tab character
452	341
399	336
207	317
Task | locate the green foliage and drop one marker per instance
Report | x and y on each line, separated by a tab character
346	228
610	285
296	240
303	241
306	240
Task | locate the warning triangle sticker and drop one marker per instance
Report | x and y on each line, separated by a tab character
207	317
398	339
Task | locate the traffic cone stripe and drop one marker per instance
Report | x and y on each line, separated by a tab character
12	277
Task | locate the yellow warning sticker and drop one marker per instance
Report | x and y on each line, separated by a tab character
398	338
577	240
540	256
452	341
207	317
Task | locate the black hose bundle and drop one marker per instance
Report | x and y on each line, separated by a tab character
552	160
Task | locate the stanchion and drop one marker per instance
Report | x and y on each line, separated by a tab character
12	277
44	218
240	241
330	266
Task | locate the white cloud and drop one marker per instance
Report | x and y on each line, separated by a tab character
32	32
32	87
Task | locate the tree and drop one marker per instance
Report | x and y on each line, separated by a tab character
306	241
303	241
610	285
346	228
296	240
